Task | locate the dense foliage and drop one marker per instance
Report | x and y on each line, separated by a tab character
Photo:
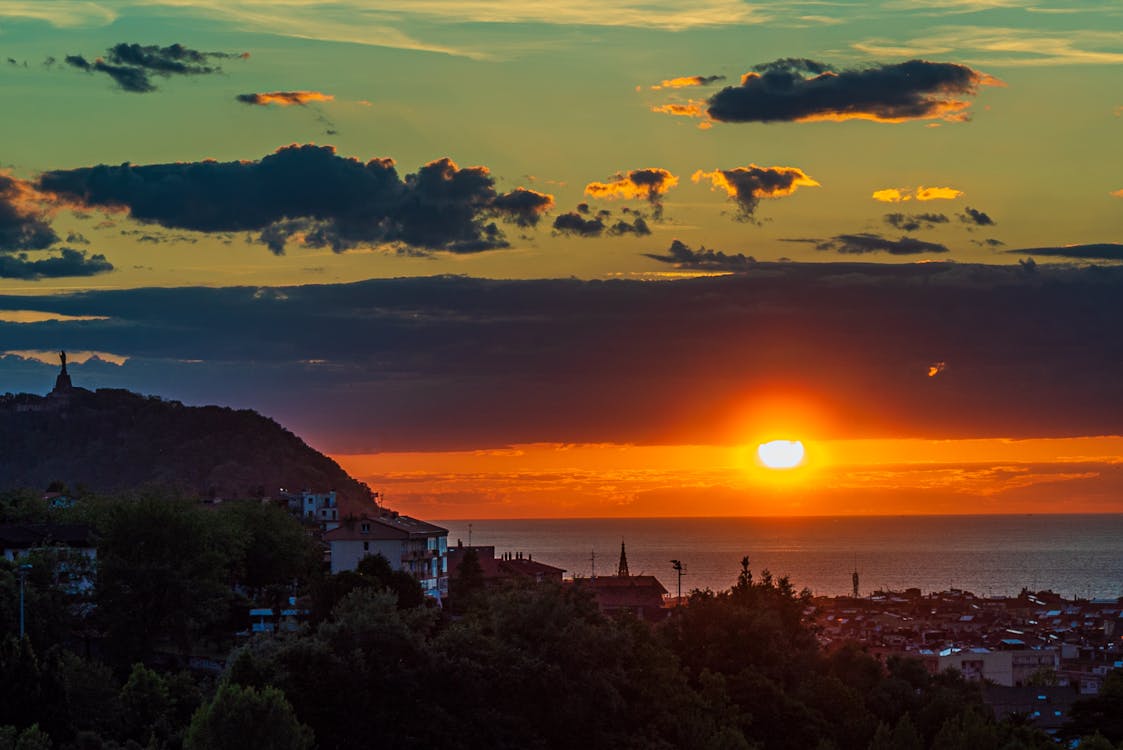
113	439
125	664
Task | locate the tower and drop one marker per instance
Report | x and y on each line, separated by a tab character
622	568
854	578
62	382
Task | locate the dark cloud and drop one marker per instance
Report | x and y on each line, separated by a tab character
312	193
649	184
583	223
682	256
451	362
794	65
637	226
68	262
913	222
745	186
976	218
523	207
867	242
574	223
23	223
132	65
1097	251
989	242
77	238
799	90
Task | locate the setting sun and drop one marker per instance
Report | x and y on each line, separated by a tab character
780	454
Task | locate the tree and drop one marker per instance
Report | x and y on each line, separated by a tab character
1102	713
161	575
270	546
144	704
19	689
242	717
467	583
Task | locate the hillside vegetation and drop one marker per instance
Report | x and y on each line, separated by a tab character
112	439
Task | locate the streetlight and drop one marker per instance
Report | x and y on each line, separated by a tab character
22	572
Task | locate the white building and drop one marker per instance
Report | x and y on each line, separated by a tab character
417	547
314	506
1008	667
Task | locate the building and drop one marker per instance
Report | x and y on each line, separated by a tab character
1007	666
74	545
1046	708
417	547
643	596
320	507
507	568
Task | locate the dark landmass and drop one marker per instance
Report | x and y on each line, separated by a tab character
111	439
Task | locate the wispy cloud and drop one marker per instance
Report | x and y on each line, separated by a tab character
60	13
382	22
40	316
1007	46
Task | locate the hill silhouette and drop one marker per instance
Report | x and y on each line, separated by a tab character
113	439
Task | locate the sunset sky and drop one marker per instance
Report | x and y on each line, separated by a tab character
578	258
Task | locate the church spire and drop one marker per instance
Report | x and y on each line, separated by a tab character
62	382
622	568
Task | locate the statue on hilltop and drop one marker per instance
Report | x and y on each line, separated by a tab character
62	382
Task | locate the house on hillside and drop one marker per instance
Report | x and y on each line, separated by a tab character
319	507
73	544
417	547
507	568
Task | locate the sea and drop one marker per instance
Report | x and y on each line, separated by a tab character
992	555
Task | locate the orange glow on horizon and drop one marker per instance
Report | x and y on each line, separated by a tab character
837	477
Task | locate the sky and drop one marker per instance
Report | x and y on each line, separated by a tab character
528	259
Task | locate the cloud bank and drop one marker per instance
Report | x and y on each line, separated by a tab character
312	195
837	349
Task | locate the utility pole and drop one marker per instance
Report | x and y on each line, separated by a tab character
22	572
676	565
469	535
593	562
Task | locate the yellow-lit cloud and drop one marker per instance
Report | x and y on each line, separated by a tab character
683	82
788	179
1117	193
285	98
38	316
73	357
898	195
692	108
937	193
648	184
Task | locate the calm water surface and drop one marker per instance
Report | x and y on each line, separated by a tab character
1075	555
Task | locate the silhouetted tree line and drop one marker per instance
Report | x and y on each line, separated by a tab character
379	666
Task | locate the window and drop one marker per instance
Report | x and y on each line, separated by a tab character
365	528
366	546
